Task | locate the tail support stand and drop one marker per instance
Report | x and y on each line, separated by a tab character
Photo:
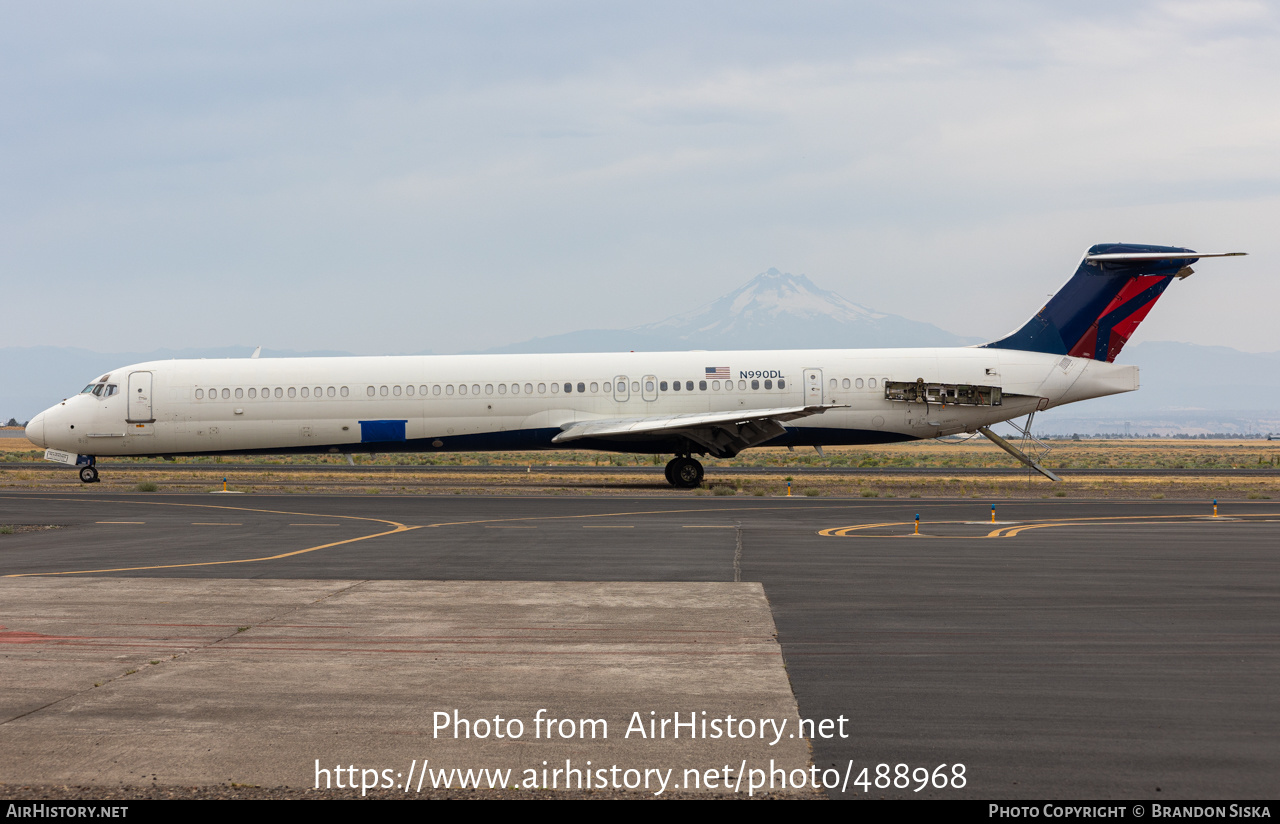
1017	453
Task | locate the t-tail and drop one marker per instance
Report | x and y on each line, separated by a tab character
1099	309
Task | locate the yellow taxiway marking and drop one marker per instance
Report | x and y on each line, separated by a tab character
608	526
399	527
213	523
510	527
703	526
1013	531
119	522
842	531
315	524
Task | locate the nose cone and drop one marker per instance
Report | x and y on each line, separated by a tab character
35	430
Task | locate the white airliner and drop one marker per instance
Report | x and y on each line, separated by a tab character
680	403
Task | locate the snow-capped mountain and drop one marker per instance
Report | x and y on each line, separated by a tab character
777	310
774	310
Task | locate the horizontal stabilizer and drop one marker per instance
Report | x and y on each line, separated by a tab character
1163	255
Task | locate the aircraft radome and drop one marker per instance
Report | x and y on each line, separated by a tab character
678	403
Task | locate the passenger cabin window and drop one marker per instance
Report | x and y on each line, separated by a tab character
702	385
768	384
292	392
528	388
755	384
279	392
395	390
239	393
663	386
449	389
371	391
595	387
226	393
253	392
343	392
782	384
306	392
199	394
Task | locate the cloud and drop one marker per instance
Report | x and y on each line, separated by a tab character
469	175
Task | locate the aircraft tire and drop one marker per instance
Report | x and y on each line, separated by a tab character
670	471
88	474
687	473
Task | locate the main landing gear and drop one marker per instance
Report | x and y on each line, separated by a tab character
684	472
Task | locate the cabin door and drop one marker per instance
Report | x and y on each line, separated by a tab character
140	398
812	387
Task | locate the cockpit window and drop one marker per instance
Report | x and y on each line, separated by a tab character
88	389
111	390
99	389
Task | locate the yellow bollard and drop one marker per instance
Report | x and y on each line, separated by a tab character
1215	507
917	523
788	489
224	484
993	513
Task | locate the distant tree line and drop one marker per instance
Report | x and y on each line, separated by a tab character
1204	436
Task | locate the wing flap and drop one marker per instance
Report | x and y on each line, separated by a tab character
667	424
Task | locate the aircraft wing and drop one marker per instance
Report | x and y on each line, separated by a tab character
724	434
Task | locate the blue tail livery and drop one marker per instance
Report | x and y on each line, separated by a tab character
1099	309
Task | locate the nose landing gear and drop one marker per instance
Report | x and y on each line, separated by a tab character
89	474
684	472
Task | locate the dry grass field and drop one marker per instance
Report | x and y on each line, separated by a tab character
895	478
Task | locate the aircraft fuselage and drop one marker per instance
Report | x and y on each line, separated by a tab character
491	402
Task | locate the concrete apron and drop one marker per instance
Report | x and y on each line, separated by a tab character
300	683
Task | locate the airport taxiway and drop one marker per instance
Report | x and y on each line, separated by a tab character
1074	649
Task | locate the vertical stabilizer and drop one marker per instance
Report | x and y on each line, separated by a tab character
1098	310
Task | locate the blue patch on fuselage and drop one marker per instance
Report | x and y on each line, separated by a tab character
382	431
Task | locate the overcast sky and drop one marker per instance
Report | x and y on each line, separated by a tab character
398	177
